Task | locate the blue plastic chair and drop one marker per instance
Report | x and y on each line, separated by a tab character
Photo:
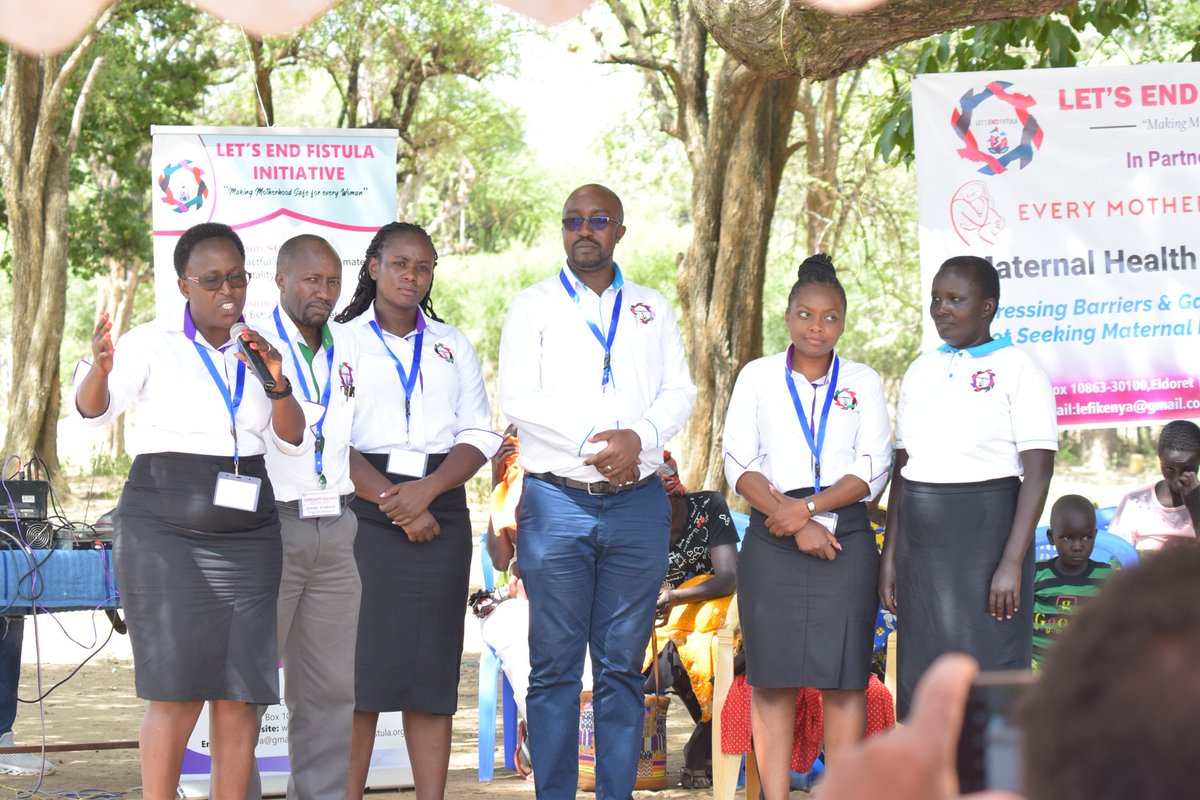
1109	547
491	679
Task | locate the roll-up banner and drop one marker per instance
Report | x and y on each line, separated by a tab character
1082	187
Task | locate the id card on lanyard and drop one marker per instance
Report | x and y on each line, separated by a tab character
405	460
322	502
233	490
816	443
606	342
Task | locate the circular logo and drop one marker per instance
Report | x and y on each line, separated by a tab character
996	128
642	313
845	399
183	187
983	380
444	352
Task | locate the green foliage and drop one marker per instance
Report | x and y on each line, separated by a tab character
105	465
1050	40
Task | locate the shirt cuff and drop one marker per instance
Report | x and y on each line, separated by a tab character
484	440
647	431
289	449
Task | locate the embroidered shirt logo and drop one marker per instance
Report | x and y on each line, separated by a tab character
443	352
346	377
983	380
642	313
845	399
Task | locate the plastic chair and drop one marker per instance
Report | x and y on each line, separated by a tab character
491	679
1108	548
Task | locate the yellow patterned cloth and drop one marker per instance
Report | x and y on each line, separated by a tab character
693	628
506	495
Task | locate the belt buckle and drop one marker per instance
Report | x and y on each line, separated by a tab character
600	492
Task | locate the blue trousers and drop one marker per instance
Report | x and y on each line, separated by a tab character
592	567
12	631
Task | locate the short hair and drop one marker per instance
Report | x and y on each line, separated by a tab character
1114	714
197	234
1071	504
978	271
1179	434
297	244
817	269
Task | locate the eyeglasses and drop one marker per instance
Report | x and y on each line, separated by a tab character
213	283
595	223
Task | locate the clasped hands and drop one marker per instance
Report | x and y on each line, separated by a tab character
407	505
618	461
791	518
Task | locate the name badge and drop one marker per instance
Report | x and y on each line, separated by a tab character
827	520
410	463
320	503
237	491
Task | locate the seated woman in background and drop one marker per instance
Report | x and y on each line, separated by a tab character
1168	511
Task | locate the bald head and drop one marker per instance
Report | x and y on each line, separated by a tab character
592	191
308	272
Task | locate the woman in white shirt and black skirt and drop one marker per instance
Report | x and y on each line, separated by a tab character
806	442
197	548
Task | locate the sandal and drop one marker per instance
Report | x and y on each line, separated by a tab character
695	779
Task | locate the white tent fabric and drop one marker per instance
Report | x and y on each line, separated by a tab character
54	25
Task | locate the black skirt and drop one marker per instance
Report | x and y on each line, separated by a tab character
806	621
199	582
954	536
410	625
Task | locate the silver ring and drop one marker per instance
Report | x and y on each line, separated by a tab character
608	468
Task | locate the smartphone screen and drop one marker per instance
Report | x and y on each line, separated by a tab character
989	748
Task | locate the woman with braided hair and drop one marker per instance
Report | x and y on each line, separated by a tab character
421	429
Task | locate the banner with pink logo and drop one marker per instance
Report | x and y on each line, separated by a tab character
270	184
1082	187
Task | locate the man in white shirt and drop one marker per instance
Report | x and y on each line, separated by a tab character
592	372
319	587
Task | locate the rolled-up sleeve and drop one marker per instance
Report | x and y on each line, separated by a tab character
131	368
473	415
873	439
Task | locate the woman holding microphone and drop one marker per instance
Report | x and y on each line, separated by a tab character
197	548
806	442
422	425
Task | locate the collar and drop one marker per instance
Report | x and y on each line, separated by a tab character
978	350
422	323
618	280
189	329
821	381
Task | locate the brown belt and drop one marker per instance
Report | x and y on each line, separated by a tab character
595	488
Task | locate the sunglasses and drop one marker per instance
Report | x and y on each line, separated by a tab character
595	223
211	283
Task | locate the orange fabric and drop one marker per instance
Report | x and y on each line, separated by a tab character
809	732
506	495
693	628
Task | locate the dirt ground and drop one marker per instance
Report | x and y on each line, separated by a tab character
98	705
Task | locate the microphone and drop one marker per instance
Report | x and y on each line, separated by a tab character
257	365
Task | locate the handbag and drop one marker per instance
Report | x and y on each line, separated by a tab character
652	761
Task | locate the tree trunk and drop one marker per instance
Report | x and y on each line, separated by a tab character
264	109
35	162
720	279
1099	444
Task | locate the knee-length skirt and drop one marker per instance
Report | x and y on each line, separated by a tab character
199	582
807	621
414	601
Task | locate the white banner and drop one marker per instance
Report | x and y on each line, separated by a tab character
270	184
1082	186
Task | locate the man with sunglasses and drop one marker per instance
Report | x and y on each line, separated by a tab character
592	372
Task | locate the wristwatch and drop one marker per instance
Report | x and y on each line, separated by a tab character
280	393
811	504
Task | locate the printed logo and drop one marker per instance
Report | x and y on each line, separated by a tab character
444	352
983	381
845	399
346	376
183	187
973	214
997	116
642	313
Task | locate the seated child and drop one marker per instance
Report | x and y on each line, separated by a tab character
1167	511
1062	582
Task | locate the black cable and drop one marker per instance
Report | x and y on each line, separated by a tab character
73	672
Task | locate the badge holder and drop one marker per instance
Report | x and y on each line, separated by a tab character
236	491
410	463
827	520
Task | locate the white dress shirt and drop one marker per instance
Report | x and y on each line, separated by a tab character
293	474
449	402
552	365
179	407
763	431
965	415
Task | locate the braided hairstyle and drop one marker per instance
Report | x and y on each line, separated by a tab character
817	268
364	292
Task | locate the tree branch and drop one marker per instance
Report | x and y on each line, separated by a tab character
80	104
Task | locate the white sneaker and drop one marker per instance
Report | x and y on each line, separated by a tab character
22	763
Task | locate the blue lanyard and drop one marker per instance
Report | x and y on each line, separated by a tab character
319	444
407	380
606	343
817	444
232	402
